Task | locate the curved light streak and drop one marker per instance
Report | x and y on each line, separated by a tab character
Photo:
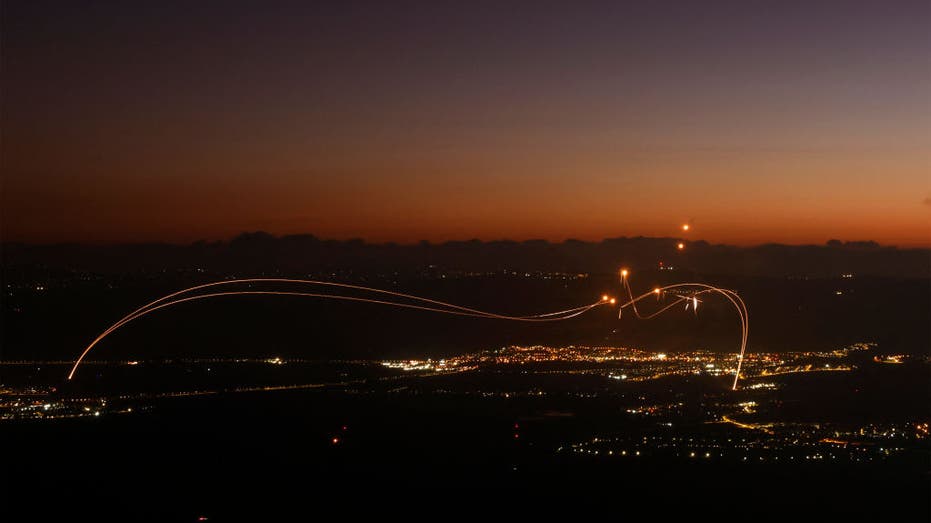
452	309
433	305
732	296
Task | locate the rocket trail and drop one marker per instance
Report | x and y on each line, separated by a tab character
442	307
685	292
702	288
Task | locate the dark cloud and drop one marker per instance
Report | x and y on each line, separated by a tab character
927	201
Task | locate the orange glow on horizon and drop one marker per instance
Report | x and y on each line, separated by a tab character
447	153
118	213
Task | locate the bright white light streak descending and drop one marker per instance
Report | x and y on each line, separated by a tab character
702	288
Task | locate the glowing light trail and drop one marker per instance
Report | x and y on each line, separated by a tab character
703	288
141	310
445	308
437	306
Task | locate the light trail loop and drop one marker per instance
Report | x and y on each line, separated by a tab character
430	305
702	288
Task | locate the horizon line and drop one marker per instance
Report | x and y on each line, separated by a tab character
833	242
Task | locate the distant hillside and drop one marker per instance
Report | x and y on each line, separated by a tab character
259	252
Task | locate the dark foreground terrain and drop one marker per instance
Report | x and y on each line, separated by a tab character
572	436
424	447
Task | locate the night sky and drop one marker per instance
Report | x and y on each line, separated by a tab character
791	122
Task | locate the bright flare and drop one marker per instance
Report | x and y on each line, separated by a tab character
685	227
680	246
